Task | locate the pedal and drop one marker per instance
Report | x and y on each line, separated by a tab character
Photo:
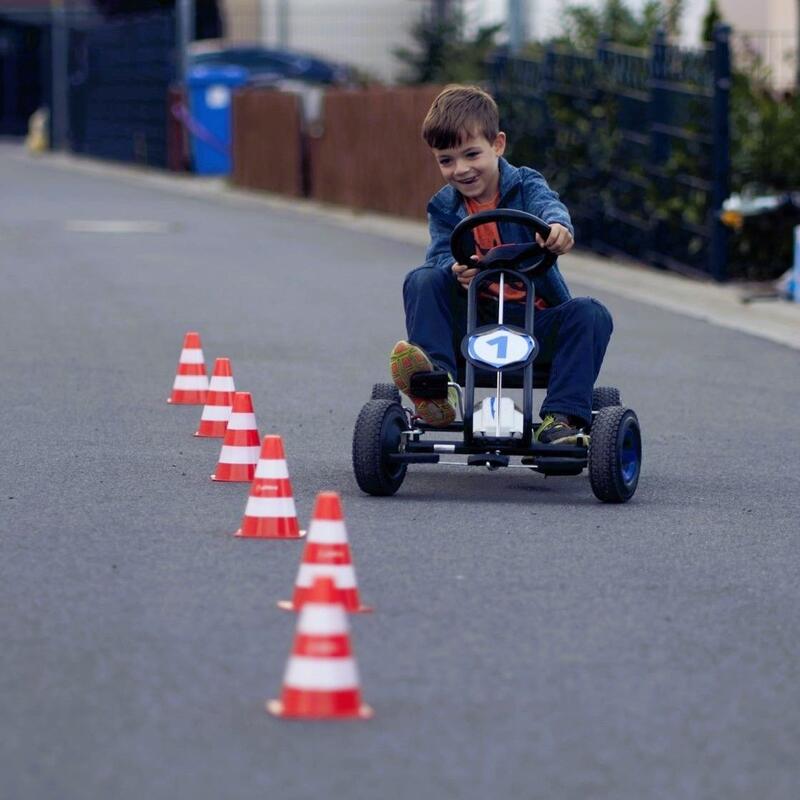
429	385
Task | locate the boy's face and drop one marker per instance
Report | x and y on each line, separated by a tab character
472	166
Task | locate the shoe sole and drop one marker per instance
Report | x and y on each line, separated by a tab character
408	360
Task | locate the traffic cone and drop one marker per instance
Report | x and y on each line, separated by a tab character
326	554
191	382
321	678
270	512
217	410
239	454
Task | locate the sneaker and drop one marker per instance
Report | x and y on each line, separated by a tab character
557	429
406	360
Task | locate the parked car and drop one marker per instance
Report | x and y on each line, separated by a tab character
266	65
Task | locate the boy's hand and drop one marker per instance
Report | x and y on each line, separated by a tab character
559	241
465	274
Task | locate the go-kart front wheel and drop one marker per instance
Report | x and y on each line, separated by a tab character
615	454
378	434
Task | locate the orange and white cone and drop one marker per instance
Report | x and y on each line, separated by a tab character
327	555
217	410
191	382
239	454
270	512
321	679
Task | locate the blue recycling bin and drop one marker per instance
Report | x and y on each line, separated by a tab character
210	100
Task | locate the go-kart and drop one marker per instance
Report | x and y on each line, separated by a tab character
388	437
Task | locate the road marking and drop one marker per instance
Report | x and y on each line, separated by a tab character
118	226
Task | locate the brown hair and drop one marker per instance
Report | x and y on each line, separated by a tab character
457	113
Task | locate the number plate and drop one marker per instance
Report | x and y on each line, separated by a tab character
501	347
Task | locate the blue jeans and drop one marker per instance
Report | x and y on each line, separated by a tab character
572	336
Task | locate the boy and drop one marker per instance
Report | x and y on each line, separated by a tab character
462	130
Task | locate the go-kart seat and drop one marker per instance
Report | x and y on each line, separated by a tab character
487	379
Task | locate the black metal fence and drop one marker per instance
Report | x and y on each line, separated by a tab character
24	69
636	142
119	75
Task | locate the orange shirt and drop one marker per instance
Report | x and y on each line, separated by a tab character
486	237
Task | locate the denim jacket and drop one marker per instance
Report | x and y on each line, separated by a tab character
521	188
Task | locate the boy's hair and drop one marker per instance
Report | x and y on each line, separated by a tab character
458	113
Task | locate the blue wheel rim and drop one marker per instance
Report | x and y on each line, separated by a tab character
630	454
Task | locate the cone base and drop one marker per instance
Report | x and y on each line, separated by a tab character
194	399
288	605
235	477
276	708
241	535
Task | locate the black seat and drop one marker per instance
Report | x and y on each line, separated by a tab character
487	379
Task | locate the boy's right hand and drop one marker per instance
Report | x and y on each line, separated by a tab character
465	274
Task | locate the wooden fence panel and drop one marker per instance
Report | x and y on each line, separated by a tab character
370	154
267	141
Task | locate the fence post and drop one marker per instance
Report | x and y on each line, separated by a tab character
657	114
59	67
184	18
796	266
720	151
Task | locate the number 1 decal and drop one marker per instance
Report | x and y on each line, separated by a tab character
501	342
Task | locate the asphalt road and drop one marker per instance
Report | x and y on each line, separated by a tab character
527	642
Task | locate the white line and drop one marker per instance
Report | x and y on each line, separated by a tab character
272	468
216	413
344	576
190	383
270	507
303	672
238	455
327	531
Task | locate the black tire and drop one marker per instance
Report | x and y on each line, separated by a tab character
386	391
377	434
615	454
605	396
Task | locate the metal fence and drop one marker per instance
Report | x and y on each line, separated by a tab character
119	74
24	70
636	142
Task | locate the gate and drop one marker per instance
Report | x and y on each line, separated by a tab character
119	76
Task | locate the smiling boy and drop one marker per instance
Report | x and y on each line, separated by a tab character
462	130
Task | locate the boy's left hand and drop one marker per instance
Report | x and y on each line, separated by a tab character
559	241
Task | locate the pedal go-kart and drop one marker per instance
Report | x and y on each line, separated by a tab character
388	437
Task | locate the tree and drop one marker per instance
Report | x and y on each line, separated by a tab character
711	20
585	24
443	53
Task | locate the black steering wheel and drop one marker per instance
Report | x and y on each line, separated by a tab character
528	258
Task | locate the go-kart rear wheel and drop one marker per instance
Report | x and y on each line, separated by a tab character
378	434
605	396
386	391
615	454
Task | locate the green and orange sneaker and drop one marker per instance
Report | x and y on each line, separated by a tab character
406	360
557	429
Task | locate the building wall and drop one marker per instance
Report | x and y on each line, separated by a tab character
363	33
242	20
768	30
